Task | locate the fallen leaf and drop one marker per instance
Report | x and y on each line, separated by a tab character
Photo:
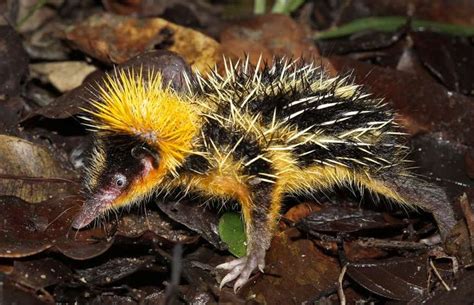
40	273
30	172
134	225
196	267
231	231
114	270
65	75
169	64
115	39
362	42
469	162
340	219
452	63
269	36
13	62
14	292
446	164
10	113
295	271
32	14
28	229
423	104
399	278
462	295
197	218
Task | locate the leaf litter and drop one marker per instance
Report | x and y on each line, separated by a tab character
127	258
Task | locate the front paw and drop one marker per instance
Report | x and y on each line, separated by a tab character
242	268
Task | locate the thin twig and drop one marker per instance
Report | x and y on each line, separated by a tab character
390	244
340	287
439	276
469	218
176	266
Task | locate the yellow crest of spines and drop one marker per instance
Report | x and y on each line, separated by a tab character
142	105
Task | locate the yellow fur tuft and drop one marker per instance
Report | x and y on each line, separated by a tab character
135	104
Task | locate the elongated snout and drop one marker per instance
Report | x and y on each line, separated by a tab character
93	208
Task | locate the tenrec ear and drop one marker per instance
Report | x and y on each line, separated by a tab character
139	152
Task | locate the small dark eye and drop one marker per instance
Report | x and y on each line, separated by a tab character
120	180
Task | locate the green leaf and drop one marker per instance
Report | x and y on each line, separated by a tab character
286	6
391	24
232	232
259	7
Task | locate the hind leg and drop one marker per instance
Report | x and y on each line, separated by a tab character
414	192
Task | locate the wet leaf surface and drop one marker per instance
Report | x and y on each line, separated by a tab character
28	229
114	270
32	228
41	273
401	279
447	163
337	220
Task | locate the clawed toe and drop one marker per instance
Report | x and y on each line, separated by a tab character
232	264
241	269
236	268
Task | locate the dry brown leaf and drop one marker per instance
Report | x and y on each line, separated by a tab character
268	36
65	75
296	271
13	62
29	171
115	39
